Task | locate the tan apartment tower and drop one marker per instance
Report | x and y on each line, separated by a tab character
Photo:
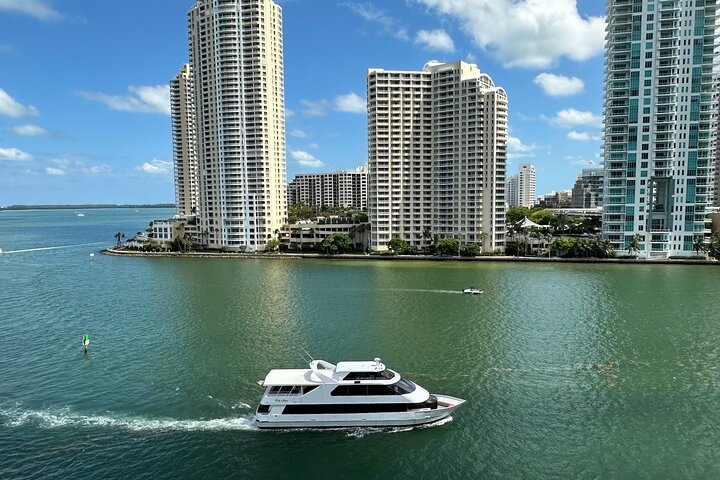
236	56
182	114
521	187
346	188
436	156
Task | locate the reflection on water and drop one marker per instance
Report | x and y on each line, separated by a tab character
570	371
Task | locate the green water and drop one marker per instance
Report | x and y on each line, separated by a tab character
569	370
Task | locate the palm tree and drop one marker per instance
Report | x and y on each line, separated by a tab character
427	236
179	229
353	232
204	236
524	232
699	244
549	238
363	229
634	244
714	246
119	236
312	235
483	236
188	242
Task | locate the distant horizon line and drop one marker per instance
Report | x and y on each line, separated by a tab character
86	206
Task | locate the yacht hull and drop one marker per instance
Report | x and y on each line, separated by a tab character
446	406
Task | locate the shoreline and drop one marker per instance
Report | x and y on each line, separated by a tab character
430	258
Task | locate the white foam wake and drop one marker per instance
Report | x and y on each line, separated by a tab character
17	417
359	432
55	248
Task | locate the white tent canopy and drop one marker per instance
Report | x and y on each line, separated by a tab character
527	223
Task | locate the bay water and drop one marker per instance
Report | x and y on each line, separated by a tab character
586	371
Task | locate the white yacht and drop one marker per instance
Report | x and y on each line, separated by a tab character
349	394
472	291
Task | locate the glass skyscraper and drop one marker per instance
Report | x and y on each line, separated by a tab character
660	124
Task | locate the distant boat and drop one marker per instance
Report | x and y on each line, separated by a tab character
80	214
472	291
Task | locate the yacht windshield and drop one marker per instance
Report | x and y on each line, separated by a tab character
383	375
404	386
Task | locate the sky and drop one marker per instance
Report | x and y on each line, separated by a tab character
84	97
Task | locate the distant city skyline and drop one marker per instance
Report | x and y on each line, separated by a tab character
84	102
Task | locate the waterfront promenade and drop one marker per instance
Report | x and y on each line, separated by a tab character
386	257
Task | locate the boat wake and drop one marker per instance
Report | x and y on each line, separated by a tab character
360	432
423	290
63	418
38	249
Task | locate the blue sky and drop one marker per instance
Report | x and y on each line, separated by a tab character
84	104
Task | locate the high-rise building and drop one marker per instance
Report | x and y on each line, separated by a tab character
716	168
437	154
588	189
511	190
236	59
660	123
555	199
521	187
346	188
182	110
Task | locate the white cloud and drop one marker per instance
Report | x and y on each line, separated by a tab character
10	107
582	136
144	99
388	24
40	9
60	162
438	40
559	85
30	130
351	102
526	33
581	162
297	133
517	149
156	167
306	159
317	108
95	169
75	166
54	171
570	117
14	154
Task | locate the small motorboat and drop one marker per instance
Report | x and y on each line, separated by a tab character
472	291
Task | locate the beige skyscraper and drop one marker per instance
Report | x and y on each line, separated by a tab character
520	187
346	188
236	57
182	109
437	154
